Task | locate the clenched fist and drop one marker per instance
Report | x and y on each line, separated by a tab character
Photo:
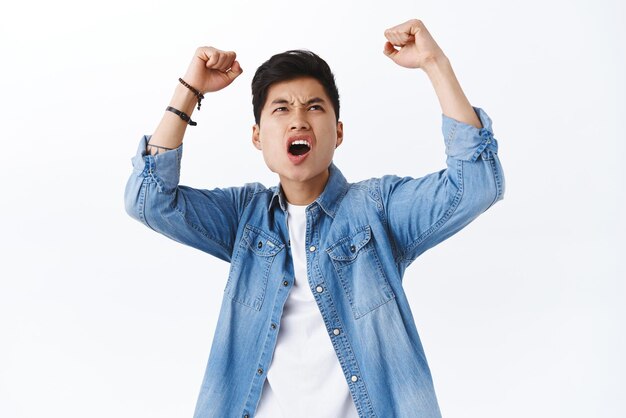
417	48
212	69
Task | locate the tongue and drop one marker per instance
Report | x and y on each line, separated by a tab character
298	149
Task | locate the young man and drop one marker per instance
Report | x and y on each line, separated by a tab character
314	320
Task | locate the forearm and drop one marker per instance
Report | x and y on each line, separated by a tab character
210	70
453	102
171	130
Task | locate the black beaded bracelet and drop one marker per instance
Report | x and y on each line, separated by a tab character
199	95
182	115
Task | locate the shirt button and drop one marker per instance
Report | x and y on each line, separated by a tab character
246	416
285	283
273	326
352	249
319	289
260	371
336	331
354	378
312	248
260	244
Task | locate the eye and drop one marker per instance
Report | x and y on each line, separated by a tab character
280	109
316	107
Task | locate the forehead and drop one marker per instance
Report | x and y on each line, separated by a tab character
297	91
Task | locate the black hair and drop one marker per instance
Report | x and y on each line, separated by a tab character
288	66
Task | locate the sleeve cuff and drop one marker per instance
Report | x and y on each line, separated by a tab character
466	142
163	168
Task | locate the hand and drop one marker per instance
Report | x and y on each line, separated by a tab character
212	69
417	48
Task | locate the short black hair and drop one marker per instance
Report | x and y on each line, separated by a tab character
287	66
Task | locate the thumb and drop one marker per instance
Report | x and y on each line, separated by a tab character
389	50
234	71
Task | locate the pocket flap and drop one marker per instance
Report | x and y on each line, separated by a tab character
346	249
261	243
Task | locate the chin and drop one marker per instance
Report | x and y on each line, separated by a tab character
299	173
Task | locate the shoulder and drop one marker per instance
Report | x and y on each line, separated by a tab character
258	191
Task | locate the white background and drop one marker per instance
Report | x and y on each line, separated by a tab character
521	314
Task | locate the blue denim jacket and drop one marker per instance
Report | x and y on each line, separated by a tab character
360	238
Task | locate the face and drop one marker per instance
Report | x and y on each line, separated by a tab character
298	132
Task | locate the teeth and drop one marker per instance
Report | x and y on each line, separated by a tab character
301	142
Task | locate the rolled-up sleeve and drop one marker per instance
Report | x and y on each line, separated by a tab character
422	212
204	219
466	142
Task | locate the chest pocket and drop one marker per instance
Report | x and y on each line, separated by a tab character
250	267
357	264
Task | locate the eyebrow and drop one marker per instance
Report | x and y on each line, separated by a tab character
311	101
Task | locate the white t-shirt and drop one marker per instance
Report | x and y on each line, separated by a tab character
304	378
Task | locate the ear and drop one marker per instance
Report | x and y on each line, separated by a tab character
256	137
339	134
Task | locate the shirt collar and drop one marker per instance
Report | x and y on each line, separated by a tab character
329	200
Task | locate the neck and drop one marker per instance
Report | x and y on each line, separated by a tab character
304	192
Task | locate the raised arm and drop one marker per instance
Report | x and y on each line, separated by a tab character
210	70
204	219
422	212
418	49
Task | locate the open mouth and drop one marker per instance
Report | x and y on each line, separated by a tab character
299	147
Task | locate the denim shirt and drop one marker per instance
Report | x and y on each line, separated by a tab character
360	238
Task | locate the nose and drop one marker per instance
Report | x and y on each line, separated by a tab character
299	122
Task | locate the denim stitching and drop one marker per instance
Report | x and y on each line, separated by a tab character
444	218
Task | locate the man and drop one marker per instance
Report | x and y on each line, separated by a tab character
314	320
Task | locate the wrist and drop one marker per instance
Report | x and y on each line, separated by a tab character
437	66
184	99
